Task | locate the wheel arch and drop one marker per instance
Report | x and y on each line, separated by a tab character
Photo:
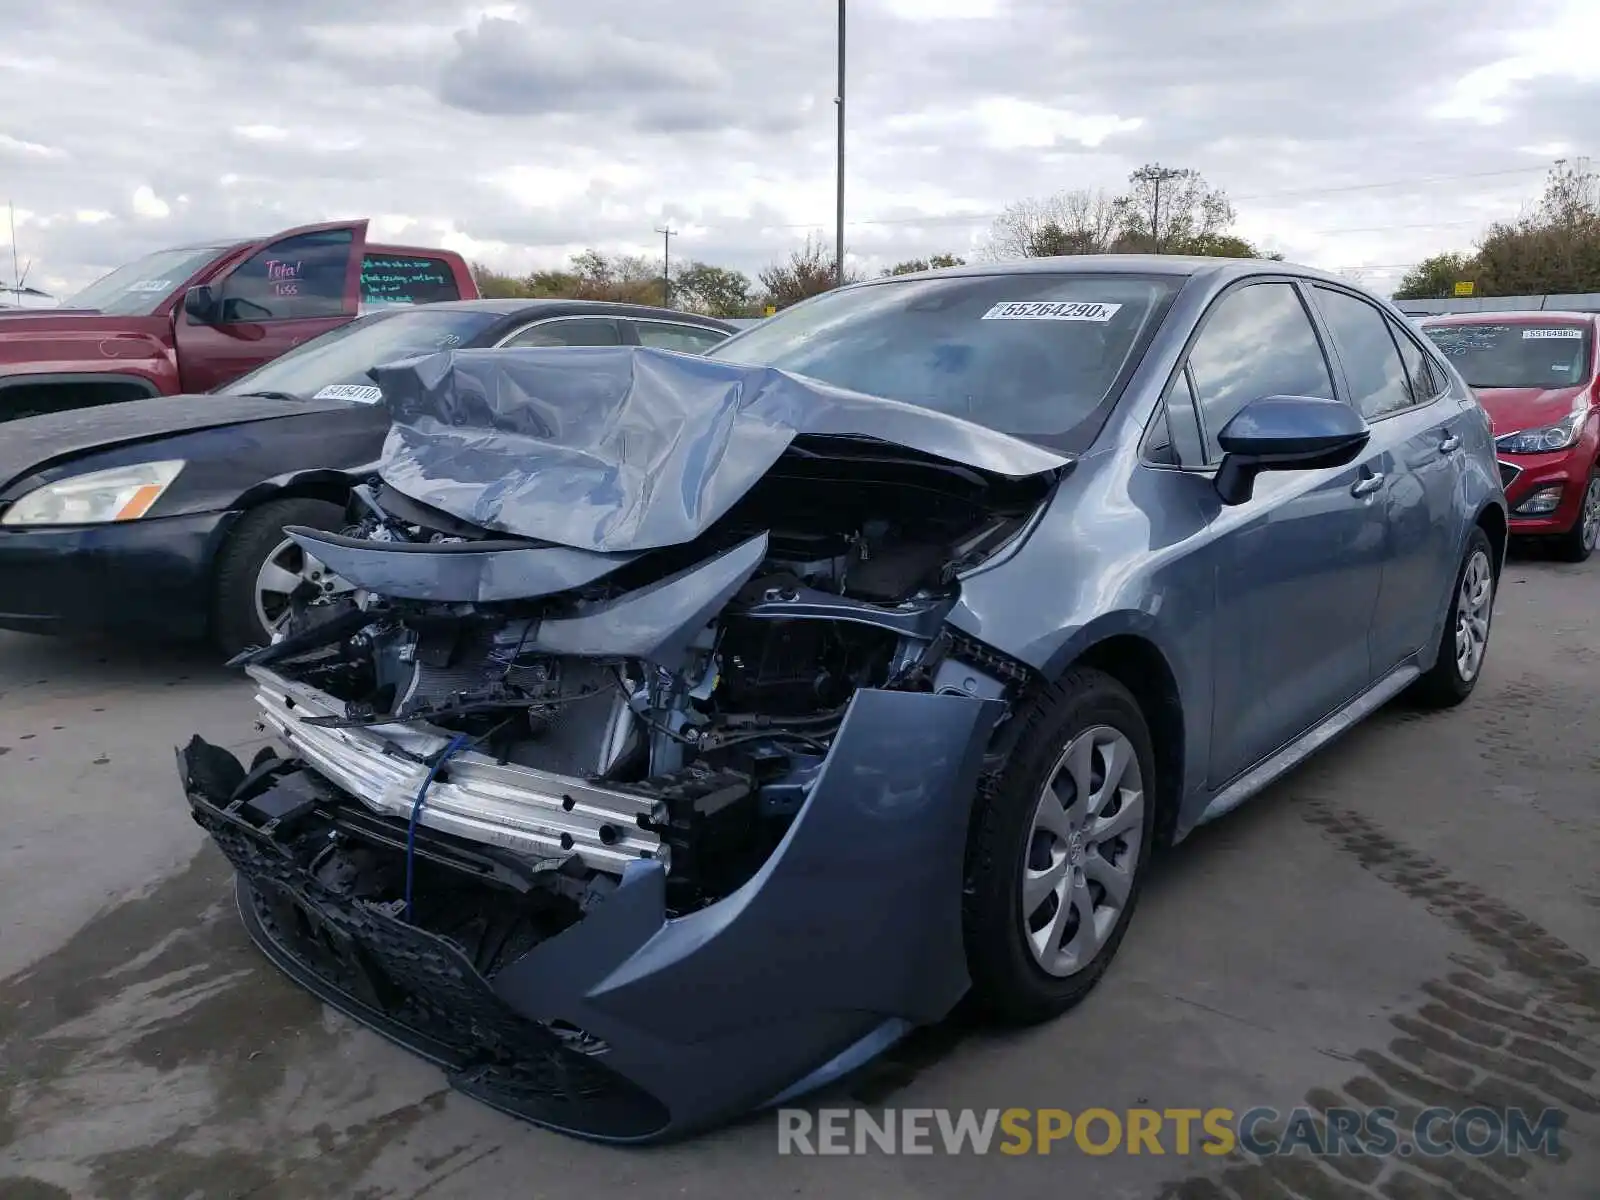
1139	664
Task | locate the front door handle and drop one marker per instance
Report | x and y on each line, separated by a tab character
1450	444
1366	485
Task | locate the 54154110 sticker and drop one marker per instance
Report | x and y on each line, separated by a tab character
1562	331
360	393
1052	310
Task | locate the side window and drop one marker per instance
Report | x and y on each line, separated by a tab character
301	276
685	338
1421	376
406	279
1175	437
589	331
1257	341
1372	364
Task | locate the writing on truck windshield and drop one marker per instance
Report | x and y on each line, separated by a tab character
138	289
1035	355
1516	355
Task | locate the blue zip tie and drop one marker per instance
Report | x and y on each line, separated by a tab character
456	744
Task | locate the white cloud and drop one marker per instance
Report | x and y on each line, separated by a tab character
522	132
147	204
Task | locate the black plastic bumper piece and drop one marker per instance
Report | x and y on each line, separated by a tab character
420	991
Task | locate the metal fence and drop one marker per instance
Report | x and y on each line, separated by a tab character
1587	302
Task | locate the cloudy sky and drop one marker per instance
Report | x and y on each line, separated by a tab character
1351	134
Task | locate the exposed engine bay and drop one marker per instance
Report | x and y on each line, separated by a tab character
631	675
678	707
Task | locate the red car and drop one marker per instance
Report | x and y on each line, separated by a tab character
193	318
1535	375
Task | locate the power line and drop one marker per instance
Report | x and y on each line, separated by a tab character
969	217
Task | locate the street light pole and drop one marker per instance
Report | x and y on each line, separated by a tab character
838	244
1155	176
666	273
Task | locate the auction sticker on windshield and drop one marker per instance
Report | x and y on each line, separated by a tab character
151	285
361	393
1051	310
1564	332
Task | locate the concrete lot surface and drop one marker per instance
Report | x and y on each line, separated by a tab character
1405	922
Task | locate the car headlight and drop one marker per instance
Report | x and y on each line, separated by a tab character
1551	437
116	494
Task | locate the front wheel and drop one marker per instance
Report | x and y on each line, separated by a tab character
260	568
1578	543
1465	641
1058	847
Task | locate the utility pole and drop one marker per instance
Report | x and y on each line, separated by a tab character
838	243
16	271
666	262
1155	176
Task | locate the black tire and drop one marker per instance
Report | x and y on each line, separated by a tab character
235	624
1444	686
1576	545
1009	984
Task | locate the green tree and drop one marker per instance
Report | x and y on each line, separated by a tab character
1171	212
1435	278
807	272
496	286
933	262
1554	248
715	291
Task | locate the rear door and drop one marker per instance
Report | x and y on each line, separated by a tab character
1418	436
303	282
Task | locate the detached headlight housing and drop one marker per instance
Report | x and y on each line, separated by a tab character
1538	441
96	498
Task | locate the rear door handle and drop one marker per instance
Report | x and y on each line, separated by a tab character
1450	444
1366	485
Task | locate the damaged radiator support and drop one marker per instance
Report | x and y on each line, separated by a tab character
518	808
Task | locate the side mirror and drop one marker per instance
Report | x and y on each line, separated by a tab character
200	305
1286	433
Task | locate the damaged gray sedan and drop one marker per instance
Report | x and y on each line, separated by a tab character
683	731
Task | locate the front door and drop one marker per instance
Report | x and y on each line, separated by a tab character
302	283
1298	566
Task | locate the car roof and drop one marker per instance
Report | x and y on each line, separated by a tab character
1513	316
1182	265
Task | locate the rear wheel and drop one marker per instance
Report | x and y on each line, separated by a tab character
1578	542
260	568
1058	848
1465	641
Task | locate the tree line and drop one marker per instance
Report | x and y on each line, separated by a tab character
1553	249
1161	211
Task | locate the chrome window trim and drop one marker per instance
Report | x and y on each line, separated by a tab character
616	317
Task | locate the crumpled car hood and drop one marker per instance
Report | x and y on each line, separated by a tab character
625	449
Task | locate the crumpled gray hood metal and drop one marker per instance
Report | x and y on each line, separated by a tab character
628	449
460	573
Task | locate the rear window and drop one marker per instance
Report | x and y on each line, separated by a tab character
1039	355
406	279
1516	355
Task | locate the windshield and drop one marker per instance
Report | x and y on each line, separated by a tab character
1515	356
138	289
1036	355
336	364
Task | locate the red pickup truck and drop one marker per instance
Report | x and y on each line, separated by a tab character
193	318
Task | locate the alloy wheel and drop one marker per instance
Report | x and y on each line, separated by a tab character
1082	850
1473	607
1591	514
283	572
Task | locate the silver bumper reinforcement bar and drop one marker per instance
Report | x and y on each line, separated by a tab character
517	808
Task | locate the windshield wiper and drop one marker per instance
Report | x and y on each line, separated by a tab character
272	395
